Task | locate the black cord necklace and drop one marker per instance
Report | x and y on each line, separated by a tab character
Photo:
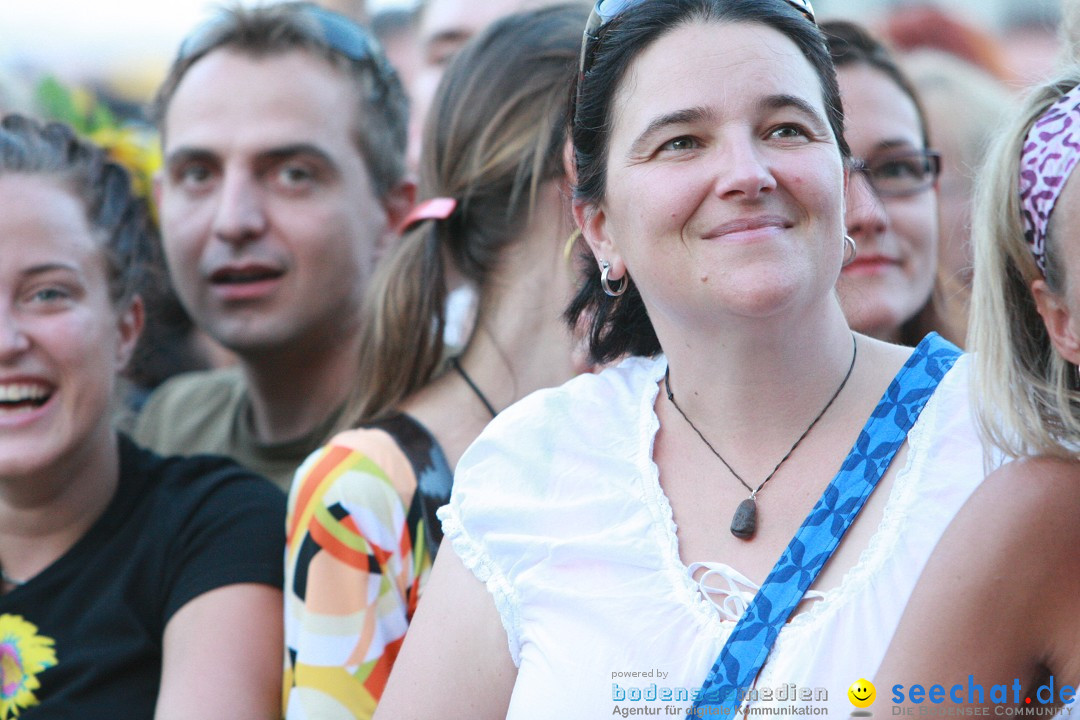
456	364
744	522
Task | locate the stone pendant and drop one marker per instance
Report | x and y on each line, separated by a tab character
744	522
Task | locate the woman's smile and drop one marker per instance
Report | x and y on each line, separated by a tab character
749	229
723	166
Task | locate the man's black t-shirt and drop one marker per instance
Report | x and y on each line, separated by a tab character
83	639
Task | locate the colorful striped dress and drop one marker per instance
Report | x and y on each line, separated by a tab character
357	558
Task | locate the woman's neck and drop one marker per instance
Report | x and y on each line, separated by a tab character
44	513
773	379
519	342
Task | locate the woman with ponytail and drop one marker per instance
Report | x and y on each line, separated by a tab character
361	529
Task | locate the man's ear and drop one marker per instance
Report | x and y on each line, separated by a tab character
397	203
1058	319
593	223
130	326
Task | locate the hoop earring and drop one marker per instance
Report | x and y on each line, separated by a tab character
850	250
605	267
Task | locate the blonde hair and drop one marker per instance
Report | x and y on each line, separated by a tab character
965	107
1069	32
1025	391
494	135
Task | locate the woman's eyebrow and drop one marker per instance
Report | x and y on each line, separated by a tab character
893	144
783	101
677	117
49	267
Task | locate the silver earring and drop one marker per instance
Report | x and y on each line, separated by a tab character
850	251
605	268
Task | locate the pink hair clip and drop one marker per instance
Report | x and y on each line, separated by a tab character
438	208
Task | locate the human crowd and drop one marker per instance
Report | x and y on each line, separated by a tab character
726	347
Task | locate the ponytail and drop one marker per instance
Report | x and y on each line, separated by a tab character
481	173
401	331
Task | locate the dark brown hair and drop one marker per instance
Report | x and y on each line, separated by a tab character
852	44
495	134
119	220
620	325
383	111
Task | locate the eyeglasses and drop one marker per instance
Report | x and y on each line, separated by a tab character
605	10
900	174
342	35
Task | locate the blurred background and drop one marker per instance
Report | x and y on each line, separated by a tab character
125	45
95	65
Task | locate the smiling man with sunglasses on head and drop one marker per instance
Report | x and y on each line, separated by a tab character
283	133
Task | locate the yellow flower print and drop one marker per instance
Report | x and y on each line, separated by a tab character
23	654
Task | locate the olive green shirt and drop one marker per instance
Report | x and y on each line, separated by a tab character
210	413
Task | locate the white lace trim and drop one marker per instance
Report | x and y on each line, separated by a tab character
879	548
476	559
663	516
740	590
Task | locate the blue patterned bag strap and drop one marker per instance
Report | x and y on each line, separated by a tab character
884	433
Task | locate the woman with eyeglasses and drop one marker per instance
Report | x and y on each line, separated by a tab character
613	544
1000	599
131	585
885	287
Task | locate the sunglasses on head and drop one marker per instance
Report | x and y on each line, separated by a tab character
605	10
342	35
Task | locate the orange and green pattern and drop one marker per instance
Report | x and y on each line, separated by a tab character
355	563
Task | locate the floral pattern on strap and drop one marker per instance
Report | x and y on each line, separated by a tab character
884	433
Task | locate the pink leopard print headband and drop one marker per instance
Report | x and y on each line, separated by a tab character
1051	151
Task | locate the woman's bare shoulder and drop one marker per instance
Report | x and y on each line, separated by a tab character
1036	498
998	596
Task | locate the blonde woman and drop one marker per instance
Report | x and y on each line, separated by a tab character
1000	600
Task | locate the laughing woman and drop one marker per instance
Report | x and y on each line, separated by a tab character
631	521
131	586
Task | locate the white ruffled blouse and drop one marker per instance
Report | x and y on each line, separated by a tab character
558	509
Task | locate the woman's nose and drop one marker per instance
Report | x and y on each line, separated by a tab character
13	338
865	214
744	171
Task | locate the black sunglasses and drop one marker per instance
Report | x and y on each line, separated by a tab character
604	10
341	34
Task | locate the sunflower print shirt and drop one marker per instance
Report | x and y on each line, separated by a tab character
24	654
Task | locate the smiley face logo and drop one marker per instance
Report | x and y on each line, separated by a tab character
862	693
